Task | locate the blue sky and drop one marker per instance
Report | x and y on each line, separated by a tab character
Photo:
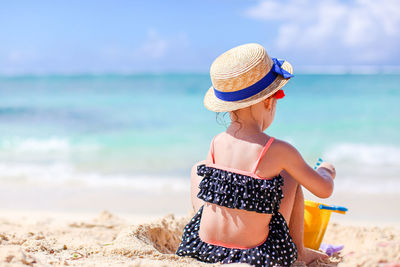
167	36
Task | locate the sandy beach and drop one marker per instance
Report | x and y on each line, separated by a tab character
139	229
40	239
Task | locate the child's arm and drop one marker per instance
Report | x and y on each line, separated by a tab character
319	182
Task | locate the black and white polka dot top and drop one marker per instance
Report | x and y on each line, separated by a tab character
240	189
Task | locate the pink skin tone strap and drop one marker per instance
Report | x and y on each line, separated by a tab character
252	173
267	145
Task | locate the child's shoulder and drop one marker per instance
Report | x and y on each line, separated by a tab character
281	143
283	147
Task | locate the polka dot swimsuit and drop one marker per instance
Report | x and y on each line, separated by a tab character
239	191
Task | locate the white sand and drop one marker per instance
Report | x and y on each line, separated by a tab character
65	226
67	239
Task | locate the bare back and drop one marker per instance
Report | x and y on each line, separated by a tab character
236	227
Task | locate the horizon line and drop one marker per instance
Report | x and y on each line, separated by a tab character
304	69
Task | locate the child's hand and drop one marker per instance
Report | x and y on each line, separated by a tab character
327	167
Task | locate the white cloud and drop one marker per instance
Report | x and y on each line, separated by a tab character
154	52
155	46
14	57
17	60
365	31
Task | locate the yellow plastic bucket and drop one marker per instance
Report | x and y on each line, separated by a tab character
316	219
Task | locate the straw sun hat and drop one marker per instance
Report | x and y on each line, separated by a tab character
243	76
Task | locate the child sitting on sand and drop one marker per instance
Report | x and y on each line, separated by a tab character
247	194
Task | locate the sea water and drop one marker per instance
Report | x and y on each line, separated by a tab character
145	131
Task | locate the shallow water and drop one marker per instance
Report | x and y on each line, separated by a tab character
146	131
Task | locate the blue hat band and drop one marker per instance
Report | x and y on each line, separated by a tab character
254	89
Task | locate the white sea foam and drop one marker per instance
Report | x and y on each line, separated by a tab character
360	168
66	174
376	155
37	145
34	149
367	186
370	180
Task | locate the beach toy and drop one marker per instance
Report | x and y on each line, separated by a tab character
330	249
318	163
316	219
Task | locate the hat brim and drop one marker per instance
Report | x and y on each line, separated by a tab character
215	104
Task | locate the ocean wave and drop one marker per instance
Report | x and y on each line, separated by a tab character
367	186
14	110
369	180
360	167
35	149
62	173
352	153
36	145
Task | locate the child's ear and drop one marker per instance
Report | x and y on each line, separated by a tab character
268	103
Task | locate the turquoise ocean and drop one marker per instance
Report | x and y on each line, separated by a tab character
145	131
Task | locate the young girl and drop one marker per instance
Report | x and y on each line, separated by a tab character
247	194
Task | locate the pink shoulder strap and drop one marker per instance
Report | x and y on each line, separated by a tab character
267	145
212	150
